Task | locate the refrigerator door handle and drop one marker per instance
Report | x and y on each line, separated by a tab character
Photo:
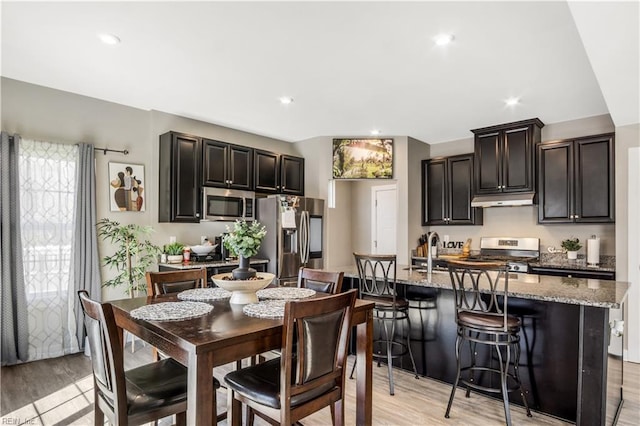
304	237
301	237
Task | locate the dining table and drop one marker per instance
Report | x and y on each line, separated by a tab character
226	334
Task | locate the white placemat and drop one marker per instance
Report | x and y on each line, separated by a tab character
171	311
204	294
266	309
285	293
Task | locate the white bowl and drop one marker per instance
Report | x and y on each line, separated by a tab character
243	291
203	249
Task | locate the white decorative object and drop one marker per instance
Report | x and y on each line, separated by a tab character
572	255
243	291
285	293
171	311
204	294
272	309
174	258
203	249
593	251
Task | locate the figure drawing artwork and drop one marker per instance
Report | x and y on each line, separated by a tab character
363	158
126	187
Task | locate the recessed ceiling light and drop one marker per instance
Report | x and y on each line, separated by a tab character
444	39
375	132
512	101
285	100
109	39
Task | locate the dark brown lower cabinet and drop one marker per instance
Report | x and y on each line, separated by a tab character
576	180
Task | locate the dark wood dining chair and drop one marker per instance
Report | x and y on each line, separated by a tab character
175	281
309	375
320	281
135	396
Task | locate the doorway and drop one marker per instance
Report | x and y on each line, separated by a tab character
383	219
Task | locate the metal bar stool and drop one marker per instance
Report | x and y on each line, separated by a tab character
482	318
377	283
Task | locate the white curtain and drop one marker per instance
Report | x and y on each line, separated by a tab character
47	184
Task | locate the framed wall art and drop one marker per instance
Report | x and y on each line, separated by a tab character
126	187
363	158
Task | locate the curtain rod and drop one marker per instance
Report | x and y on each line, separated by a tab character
105	150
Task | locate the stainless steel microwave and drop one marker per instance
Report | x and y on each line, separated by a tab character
228	204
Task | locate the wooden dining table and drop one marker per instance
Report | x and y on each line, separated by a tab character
225	335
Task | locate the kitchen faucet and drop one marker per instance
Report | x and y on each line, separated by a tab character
432	235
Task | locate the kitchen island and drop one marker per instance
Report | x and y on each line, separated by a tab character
566	364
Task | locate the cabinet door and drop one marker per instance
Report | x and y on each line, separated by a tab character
266	173
517	160
240	167
434	192
488	165
460	191
291	175
594	177
555	182
185	187
215	163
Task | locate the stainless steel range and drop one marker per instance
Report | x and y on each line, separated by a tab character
517	252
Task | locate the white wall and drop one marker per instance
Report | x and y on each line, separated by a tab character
42	113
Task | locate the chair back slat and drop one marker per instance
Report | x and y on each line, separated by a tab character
377	275
159	283
479	287
320	281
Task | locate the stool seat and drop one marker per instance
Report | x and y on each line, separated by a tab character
387	303
487	321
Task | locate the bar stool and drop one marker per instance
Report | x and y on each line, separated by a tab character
377	283
482	318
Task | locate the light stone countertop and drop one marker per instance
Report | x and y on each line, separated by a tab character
576	291
212	264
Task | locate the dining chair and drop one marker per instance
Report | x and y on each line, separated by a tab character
320	281
308	376
482	318
140	395
175	281
377	283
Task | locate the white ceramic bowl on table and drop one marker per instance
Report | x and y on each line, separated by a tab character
243	291
203	249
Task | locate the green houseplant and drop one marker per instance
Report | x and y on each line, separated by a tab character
244	240
174	252
133	256
571	245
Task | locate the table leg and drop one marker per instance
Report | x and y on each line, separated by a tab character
201	397
364	372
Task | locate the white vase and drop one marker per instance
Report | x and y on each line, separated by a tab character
174	258
572	255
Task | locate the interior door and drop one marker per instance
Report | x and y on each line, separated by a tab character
384	225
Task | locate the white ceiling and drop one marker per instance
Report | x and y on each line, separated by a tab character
350	66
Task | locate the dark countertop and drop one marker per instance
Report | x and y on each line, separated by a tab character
576	291
212	264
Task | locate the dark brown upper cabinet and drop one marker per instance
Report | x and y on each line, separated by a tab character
278	173
179	178
226	165
504	157
447	190
576	180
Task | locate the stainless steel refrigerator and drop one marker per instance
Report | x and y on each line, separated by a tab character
294	235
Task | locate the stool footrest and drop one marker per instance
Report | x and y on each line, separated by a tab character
474	385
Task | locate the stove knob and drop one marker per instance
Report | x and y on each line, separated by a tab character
515	267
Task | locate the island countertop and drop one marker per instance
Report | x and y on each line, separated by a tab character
576	291
211	264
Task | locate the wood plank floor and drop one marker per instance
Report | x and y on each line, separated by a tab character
60	392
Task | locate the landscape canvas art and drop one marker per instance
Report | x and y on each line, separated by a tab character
126	187
362	158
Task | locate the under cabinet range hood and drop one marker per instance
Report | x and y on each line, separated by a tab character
503	200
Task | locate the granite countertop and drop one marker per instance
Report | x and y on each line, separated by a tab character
576	291
560	261
212	264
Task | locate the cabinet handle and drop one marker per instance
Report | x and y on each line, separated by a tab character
197	214
576	216
284	187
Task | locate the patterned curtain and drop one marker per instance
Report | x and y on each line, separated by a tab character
48	191
14	333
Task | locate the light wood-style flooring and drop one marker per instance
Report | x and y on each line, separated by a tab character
60	392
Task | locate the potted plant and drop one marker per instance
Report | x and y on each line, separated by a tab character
244	240
134	253
174	252
571	245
